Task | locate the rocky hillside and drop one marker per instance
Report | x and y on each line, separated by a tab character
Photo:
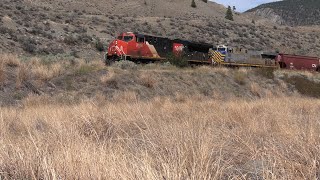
291	12
72	28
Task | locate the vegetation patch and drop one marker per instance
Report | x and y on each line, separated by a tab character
240	77
177	61
85	69
265	72
305	86
125	65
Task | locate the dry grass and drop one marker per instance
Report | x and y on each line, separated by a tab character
148	80
7	60
22	75
10	60
2	73
269	138
190	126
240	76
45	72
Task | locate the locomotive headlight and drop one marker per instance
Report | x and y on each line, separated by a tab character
116	42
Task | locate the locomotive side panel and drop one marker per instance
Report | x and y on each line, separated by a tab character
162	45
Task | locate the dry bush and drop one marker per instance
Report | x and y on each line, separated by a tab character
305	86
10	60
126	65
162	139
222	70
43	71
240	76
205	69
255	89
2	72
107	77
125	97
22	75
147	80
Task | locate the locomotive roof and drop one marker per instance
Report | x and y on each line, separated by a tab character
192	43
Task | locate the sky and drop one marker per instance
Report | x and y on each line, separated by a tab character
243	5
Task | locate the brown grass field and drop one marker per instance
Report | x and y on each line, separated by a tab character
192	137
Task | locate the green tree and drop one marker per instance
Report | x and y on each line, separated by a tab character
193	4
229	14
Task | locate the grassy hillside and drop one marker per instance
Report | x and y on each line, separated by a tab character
295	12
67	118
69	80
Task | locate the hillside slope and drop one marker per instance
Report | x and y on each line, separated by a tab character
291	12
150	8
72	80
72	28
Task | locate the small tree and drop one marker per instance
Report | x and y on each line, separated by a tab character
193	4
229	14
99	45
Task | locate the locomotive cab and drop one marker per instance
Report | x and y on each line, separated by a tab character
131	46
222	49
125	37
140	38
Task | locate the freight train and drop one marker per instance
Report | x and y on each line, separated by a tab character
138	47
146	48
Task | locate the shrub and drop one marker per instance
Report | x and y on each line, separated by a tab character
70	40
305	86
4	30
85	38
99	45
2	73
29	45
240	77
84	69
147	81
125	65
193	4
266	72
178	61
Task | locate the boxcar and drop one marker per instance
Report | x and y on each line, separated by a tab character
289	61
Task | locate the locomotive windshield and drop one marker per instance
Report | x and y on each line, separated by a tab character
221	49
127	38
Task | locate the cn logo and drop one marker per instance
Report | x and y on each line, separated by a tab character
179	48
314	65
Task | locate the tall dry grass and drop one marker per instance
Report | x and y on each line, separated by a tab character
271	138
2	73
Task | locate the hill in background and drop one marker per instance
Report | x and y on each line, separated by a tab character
291	12
72	28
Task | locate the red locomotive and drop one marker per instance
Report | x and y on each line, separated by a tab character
146	48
